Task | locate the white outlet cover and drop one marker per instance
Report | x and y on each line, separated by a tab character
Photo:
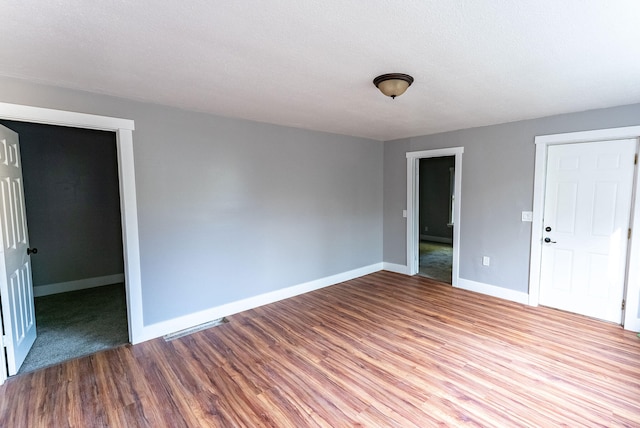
527	215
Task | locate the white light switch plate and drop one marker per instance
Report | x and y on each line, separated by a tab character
404	213
527	215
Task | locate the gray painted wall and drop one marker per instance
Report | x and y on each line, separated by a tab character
72	201
435	197
229	209
497	185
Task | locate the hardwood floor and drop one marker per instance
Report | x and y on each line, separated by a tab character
381	350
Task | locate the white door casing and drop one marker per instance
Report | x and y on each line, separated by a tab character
123	129
413	159
586	219
543	142
16	288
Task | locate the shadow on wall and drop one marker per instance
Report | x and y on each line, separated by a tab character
436	203
72	202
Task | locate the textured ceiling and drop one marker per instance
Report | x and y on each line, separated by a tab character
310	64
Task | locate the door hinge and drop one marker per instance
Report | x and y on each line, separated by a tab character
623	304
635	159
629	234
5	340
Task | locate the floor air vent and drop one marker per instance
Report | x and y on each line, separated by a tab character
188	331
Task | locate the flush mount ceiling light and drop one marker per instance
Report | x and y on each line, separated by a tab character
393	84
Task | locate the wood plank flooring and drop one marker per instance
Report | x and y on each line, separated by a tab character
381	350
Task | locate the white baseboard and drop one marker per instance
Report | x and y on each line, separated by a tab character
634	325
80	284
492	290
392	267
436	239
188	321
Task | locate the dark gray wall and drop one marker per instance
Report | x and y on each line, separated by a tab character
72	201
229	209
435	196
497	185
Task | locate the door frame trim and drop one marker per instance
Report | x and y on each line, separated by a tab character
413	160
632	282
123	129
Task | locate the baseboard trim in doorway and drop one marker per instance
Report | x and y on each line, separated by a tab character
80	284
187	321
493	290
436	239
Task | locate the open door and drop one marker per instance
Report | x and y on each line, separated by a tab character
413	175
16	288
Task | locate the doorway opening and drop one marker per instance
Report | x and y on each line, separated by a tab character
123	129
452	185
73	214
435	217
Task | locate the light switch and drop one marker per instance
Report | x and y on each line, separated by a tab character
404	213
485	261
527	215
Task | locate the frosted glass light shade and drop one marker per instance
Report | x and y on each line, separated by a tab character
393	84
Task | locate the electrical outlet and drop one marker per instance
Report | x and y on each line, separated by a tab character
486	261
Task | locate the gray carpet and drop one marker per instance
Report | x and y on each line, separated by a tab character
436	260
77	323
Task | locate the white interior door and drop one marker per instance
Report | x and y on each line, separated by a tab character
586	222
16	288
3	361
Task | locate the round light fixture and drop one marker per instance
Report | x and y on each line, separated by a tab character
393	84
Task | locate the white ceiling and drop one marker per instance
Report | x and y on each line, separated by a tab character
310	64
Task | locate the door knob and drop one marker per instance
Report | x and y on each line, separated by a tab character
548	229
32	251
549	241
